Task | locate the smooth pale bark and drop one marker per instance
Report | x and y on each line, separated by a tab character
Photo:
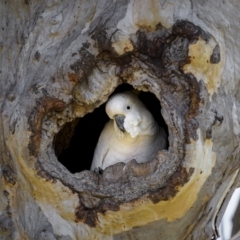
62	59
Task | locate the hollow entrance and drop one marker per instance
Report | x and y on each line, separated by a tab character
75	143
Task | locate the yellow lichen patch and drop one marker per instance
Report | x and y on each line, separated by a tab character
49	193
201	67
123	46
143	211
141	14
147	14
57	202
54	34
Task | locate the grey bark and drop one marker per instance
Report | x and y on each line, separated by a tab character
62	59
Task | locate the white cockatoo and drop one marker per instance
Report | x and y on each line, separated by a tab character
131	133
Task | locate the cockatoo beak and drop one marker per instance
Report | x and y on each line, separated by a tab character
119	119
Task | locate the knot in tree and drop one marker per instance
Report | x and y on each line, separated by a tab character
64	63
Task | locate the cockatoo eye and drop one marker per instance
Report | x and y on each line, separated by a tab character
128	107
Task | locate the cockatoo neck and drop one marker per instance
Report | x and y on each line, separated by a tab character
150	127
146	127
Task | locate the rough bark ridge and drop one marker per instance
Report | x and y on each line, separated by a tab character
61	60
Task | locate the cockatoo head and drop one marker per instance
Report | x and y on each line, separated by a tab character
130	114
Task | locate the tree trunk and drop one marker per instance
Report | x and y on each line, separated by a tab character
61	60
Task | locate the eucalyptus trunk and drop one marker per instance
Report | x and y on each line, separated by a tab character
60	60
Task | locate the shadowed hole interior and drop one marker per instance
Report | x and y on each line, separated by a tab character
74	144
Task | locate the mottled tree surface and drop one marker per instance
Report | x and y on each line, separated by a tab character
62	59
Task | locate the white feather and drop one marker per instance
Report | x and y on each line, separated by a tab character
142	139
